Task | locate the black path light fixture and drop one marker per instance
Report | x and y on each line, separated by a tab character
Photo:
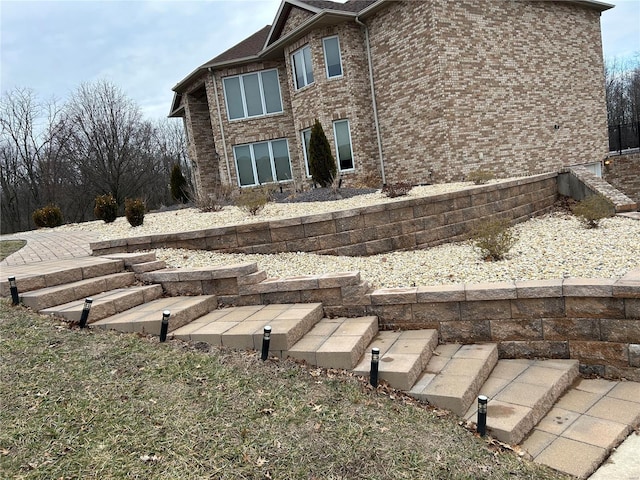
266	339
482	415
164	328
375	362
15	298
84	316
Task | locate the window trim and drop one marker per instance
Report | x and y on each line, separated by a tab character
335	141
305	153
304	65
263	99
326	65
254	167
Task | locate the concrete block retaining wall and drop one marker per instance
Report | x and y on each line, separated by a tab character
399	225
596	321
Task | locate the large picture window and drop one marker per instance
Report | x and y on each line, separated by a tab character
332	60
252	94
302	67
262	162
342	135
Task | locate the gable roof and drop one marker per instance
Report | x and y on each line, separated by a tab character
249	47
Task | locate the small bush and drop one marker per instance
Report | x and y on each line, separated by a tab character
322	165
134	211
213	202
400	189
253	200
494	238
106	208
480	177
178	185
370	179
48	216
593	209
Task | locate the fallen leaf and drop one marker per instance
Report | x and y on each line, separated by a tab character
261	461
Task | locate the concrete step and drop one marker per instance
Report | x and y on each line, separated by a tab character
336	342
107	303
520	393
243	327
591	419
40	275
403	356
147	318
60	294
455	374
145	267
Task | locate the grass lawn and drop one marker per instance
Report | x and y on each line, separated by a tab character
7	247
94	405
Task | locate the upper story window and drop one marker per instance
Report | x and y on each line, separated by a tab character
253	94
332	60
302	67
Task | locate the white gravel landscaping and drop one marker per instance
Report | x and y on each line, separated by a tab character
553	246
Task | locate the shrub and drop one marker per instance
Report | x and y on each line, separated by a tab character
253	200
134	211
106	208
322	165
369	179
400	189
178	185
48	216
593	209
494	238
480	177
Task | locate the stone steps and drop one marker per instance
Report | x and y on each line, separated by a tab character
455	374
591	419
335	342
65	293
107	303
403	356
520	393
243	327
147	317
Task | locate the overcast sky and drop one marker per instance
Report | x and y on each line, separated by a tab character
146	47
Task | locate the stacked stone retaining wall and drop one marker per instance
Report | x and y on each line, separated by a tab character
623	172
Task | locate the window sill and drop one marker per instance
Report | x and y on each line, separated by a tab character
257	117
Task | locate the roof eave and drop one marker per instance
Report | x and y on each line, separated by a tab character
597	5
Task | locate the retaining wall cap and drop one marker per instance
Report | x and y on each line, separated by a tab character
539	288
490	291
588	287
441	293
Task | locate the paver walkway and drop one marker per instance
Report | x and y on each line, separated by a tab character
47	245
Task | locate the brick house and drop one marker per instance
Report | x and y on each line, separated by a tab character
418	91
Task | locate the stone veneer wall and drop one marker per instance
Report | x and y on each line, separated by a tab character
596	321
400	225
623	172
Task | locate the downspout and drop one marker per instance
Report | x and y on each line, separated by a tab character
373	98
224	142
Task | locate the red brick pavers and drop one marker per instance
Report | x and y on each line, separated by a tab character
48	245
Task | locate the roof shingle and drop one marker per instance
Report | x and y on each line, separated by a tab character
246	48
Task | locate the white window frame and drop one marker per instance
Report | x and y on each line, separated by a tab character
326	65
335	141
244	100
301	51
305	153
253	162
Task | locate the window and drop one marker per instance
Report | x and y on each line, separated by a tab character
262	162
332	60
252	94
306	139
342	137
302	67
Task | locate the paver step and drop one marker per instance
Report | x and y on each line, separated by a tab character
585	425
521	392
56	272
147	318
243	327
403	356
107	303
60	294
133	258
145	267
454	375
335	342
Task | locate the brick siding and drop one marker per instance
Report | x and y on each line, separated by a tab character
623	172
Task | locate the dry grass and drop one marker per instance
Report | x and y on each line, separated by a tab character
88	404
7	247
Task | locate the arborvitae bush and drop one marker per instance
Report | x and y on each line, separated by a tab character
134	211
593	209
106	208
480	177
494	238
252	200
48	216
399	189
178	185
322	165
